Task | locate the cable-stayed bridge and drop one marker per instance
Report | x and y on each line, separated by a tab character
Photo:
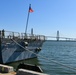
58	38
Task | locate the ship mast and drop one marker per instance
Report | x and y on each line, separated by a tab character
30	10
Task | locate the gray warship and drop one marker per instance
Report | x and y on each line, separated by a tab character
16	46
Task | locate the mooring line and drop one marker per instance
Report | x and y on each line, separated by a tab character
49	60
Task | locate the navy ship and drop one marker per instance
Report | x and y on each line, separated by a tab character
16	46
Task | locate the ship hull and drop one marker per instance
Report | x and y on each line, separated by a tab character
12	52
12	56
16	46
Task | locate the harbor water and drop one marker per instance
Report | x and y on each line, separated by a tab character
55	58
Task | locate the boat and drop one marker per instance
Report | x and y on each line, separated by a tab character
31	67
15	46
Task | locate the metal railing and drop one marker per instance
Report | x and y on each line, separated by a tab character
10	35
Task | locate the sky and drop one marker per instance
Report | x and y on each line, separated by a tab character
49	16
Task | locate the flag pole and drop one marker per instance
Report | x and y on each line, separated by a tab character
27	21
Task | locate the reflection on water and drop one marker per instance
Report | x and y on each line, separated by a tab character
33	61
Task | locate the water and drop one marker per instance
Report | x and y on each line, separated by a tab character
56	58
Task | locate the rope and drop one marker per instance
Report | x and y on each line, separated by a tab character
45	57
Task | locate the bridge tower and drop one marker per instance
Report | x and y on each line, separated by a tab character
57	36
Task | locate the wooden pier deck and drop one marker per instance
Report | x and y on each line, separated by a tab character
11	73
9	70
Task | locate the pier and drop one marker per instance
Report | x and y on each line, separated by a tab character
9	70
